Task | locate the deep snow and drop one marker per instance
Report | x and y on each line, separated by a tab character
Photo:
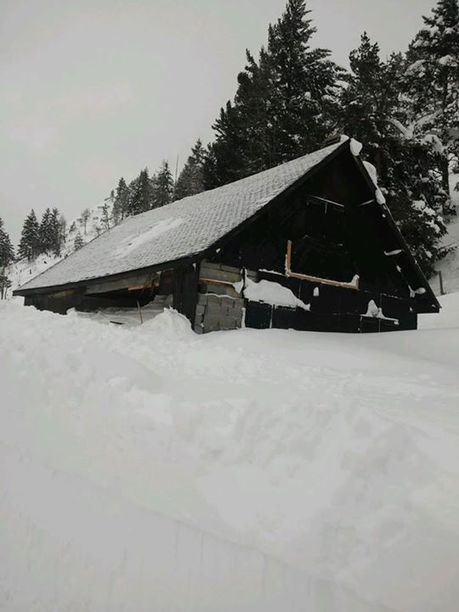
148	468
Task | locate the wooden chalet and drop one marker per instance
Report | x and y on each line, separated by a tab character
308	245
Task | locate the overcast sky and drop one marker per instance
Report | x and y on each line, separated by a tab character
91	90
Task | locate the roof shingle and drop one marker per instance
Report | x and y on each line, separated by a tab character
183	228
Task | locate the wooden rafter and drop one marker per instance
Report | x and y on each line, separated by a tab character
320	200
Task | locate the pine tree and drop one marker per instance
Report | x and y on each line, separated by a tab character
6	248
121	202
46	232
243	143
254	106
106	207
368	101
190	180
141	194
5	284
56	225
78	242
432	83
303	100
285	105
29	245
228	148
52	232
210	173
163	186
6	257
373	112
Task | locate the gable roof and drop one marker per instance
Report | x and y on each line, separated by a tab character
181	229
186	228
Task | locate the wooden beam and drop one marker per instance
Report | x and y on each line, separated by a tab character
62	294
131	282
214	281
325	201
139	287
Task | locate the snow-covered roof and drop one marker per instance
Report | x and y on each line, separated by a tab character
184	228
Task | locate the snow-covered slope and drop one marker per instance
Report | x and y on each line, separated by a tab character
22	271
147	468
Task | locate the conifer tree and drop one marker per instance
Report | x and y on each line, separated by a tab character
163	186
228	148
6	248
210	173
121	201
56	227
432	83
6	257
106	207
141	194
52	232
29	245
190	180
303	86
373	113
243	143
5	284
285	105
78	242
46	232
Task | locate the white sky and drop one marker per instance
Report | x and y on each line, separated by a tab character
91	90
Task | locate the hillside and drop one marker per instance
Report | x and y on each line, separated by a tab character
22	271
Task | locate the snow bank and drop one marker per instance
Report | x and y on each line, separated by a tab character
270	293
149	468
83	547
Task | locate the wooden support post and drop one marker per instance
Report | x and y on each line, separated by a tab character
440	278
140	312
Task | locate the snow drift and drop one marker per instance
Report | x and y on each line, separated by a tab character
148	468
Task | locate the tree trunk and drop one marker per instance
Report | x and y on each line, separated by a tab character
444	167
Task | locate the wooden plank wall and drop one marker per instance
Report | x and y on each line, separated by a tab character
220	306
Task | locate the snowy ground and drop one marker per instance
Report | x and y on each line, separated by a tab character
148	468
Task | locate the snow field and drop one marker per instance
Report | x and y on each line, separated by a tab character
149	468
